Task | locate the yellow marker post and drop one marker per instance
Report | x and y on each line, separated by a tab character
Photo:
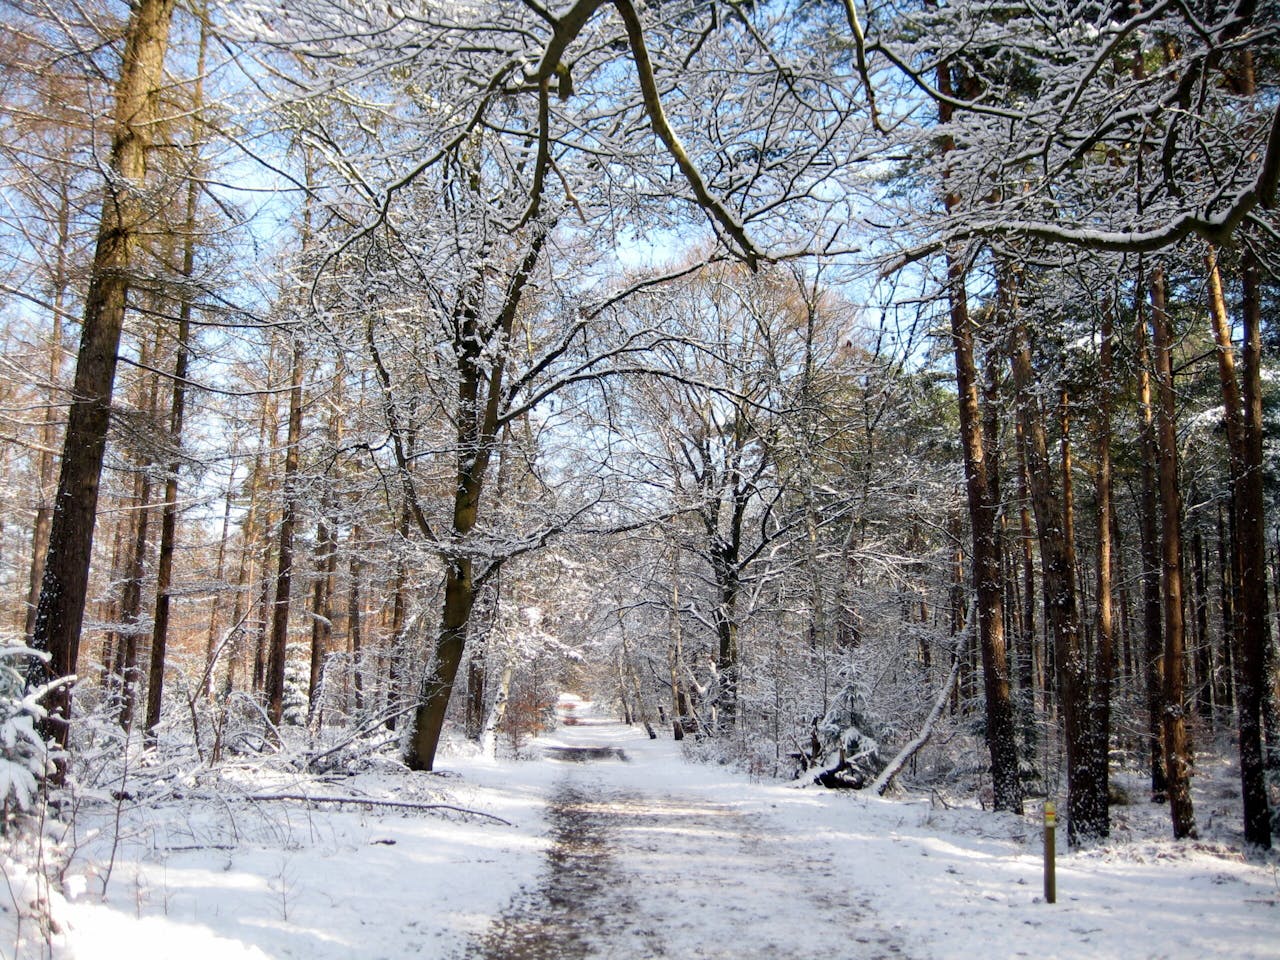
1050	827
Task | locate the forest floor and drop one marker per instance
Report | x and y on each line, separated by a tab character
614	846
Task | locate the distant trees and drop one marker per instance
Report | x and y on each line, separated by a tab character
949	294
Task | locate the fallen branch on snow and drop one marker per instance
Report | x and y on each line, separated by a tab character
882	782
370	802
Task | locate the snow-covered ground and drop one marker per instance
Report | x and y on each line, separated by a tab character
631	854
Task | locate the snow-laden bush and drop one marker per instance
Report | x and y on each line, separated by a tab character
25	758
850	735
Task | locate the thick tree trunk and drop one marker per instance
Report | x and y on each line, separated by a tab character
1253	682
65	580
1000	729
726	621
437	684
1177	742
1001	733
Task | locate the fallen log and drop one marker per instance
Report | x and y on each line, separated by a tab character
882	782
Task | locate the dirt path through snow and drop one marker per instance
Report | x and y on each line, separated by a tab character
636	872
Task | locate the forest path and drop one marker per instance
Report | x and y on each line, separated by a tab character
642	865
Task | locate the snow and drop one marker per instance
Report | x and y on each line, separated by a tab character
653	856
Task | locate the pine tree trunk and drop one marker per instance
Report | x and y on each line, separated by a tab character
130	677
1253	680
1149	536
1226	600
1086	803
1001	731
1027	640
1200	605
1001	735
1177	742
65	580
1104	648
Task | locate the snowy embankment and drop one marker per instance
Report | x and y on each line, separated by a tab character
690	861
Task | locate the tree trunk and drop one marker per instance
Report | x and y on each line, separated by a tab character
215	602
396	649
177	408
1086	799
489	735
65	581
277	653
1200	606
1249	503
1104	648
130	677
1026	642
1152	609
326	565
1177	743
131	601
1226	598
355	615
478	414
1001	733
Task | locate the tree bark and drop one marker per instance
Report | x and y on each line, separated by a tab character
1149	537
1086	799
277	652
1104	645
479	399
1026	642
1249	503
65	581
355	615
1177	743
1001	733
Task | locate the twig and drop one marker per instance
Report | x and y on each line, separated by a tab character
368	728
369	802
